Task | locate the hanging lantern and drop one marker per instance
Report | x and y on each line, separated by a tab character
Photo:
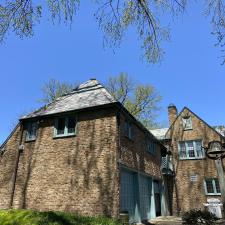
215	150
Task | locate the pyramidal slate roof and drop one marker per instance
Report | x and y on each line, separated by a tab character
86	95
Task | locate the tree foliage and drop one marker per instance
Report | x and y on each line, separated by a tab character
142	101
54	89
114	18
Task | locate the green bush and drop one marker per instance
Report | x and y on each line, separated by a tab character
199	217
29	217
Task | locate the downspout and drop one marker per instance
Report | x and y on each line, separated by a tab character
16	166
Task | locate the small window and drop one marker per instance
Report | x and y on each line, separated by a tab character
128	129
65	126
212	186
31	131
187	123
151	146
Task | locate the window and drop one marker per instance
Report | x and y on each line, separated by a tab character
187	123
65	126
31	131
128	129
191	150
212	186
151	146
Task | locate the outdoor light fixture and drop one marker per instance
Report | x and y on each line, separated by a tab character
215	150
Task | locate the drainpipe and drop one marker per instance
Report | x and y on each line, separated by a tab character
19	150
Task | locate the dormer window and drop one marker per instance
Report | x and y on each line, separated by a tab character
65	126
187	122
31	131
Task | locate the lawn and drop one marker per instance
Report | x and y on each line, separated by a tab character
29	217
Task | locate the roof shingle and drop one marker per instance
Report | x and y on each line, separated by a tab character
88	94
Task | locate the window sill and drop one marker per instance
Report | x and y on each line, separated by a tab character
151	153
130	139
192	159
64	136
213	194
30	140
186	129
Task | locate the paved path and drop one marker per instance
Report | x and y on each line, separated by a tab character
172	220
166	220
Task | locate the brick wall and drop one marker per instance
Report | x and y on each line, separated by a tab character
77	174
188	195
134	151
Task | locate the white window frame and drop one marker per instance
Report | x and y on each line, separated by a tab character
65	134
214	186
187	151
186	121
28	130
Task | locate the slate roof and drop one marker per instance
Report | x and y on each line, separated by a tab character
160	134
86	95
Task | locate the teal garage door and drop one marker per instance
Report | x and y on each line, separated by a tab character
145	189
128	194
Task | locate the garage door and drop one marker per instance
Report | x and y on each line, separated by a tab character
128	193
145	189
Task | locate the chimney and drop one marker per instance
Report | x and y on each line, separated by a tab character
172	113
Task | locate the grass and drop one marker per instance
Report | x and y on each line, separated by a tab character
29	217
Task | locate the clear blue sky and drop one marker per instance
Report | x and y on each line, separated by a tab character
190	74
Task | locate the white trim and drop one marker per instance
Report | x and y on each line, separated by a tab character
187	150
65	134
214	186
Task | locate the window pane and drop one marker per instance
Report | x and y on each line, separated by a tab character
187	123
31	131
61	126
151	146
182	150
71	125
190	149
128	129
199	150
209	186
217	185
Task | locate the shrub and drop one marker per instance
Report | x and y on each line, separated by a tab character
199	217
29	217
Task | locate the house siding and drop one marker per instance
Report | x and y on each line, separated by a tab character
133	152
145	169
189	194
77	174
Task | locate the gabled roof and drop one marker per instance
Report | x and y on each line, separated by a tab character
86	95
160	133
186	108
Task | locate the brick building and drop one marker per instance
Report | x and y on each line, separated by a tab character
195	176
84	153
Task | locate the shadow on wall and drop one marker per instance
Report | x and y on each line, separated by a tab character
96	168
